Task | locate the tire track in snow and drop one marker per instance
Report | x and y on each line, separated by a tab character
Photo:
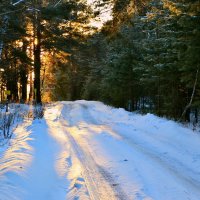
100	183
173	167
164	163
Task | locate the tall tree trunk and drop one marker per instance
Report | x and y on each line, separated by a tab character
24	81
13	88
31	87
15	95
37	58
187	108
24	77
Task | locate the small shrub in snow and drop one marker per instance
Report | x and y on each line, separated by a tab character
15	114
6	123
38	111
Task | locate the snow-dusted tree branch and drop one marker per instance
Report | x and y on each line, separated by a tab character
57	3
18	2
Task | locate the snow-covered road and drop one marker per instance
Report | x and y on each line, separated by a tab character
86	150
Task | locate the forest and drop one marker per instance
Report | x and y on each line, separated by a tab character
145	57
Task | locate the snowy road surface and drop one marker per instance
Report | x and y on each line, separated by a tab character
86	150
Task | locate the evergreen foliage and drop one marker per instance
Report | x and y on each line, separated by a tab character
152	59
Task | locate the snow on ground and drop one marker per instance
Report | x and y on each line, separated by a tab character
87	150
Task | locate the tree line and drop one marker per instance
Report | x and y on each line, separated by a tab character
31	31
146	59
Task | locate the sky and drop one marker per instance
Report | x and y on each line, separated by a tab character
105	14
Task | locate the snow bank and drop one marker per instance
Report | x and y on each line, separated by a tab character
88	150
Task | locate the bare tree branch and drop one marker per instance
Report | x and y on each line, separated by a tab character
192	96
